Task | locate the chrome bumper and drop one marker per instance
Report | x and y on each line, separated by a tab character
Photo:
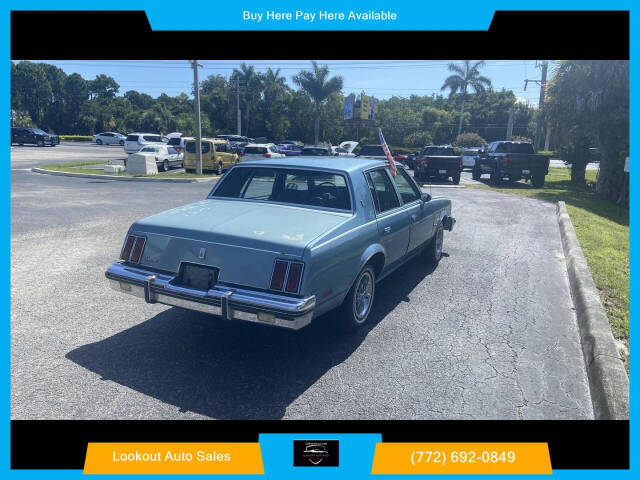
227	302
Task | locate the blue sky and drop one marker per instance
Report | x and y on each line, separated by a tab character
379	78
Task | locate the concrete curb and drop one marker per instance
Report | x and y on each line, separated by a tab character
608	380
124	179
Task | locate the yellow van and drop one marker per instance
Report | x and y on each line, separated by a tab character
224	157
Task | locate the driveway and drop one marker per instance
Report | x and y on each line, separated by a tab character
489	334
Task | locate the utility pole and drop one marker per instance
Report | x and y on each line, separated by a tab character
510	124
543	87
196	103
238	119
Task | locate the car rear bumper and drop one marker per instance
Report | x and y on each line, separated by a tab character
228	302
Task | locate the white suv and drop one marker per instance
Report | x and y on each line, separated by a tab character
260	151
135	141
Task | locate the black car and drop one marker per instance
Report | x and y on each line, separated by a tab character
315	151
513	161
34	136
438	161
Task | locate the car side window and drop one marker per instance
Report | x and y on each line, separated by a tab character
408	192
172	151
382	190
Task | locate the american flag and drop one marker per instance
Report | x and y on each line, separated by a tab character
387	152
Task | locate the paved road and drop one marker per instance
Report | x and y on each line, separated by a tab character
489	334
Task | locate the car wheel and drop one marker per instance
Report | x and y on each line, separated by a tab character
475	173
219	169
433	252
456	179
121	142
537	180
493	177
98	142
165	166
358	302
40	143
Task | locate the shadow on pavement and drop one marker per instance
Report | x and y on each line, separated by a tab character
202	364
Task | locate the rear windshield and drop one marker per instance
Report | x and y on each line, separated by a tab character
372	150
132	138
284	185
255	150
439	151
526	148
469	153
190	147
315	152
174	141
152	138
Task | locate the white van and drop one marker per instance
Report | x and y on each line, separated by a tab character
135	141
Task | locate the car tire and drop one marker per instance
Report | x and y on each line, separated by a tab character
357	305
219	169
475	173
98	142
433	252
537	180
456	179
40	143
493	177
165	166
121	142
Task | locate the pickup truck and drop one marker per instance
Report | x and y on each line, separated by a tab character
512	160
440	162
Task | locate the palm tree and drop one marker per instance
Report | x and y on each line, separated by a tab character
465	75
319	87
252	84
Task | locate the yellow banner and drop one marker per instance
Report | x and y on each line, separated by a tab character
461	458
365	105
173	458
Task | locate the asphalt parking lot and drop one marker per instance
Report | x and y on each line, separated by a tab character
489	334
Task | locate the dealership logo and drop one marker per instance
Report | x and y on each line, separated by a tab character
315	453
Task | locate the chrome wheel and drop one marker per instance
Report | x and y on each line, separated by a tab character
219	170
363	297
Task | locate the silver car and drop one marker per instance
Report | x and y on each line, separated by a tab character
166	157
109	138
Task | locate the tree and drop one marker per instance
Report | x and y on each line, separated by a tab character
252	83
275	104
465	75
319	87
103	87
469	139
588	106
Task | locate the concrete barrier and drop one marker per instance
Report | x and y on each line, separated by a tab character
608	380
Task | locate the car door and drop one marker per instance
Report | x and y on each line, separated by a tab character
421	214
391	216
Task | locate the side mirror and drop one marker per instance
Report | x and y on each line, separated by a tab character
425	197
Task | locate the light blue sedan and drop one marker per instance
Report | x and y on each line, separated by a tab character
283	241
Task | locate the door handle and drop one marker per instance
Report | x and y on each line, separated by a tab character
413	218
387	229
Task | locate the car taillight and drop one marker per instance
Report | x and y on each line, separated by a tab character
294	277
278	275
242	154
425	161
266	155
505	161
133	247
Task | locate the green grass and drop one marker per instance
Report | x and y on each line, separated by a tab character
76	167
603	232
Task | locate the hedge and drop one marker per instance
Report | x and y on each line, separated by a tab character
75	138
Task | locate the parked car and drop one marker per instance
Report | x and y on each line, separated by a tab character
236	141
166	156
411	159
438	161
259	151
224	155
512	160
176	142
376	151
469	157
109	138
135	141
33	136
341	152
244	254
316	151
291	142
290	149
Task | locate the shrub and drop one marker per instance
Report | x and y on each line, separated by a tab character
469	139
418	139
76	138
